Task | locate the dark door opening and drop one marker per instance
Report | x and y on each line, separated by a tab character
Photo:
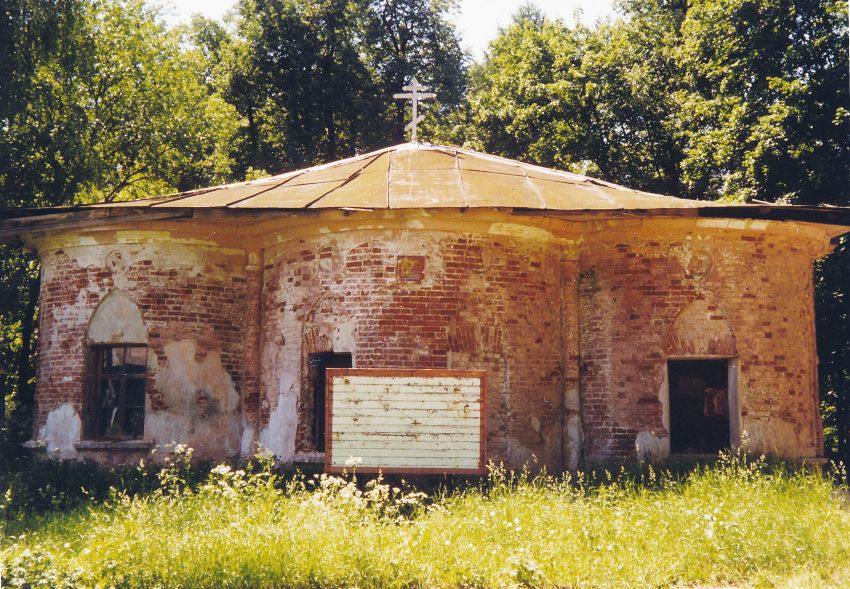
318	363
699	405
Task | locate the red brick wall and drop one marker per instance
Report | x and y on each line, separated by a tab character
483	303
754	302
204	303
572	337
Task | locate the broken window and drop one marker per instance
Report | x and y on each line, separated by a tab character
318	363
699	405
115	403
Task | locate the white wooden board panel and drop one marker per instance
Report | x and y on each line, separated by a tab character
405	420
434	381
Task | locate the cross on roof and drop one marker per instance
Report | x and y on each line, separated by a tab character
415	92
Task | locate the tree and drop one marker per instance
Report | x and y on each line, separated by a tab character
593	101
315	78
103	102
765	111
309	89
404	39
40	164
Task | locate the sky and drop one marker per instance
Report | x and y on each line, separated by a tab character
478	21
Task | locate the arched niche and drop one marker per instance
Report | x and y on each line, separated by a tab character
700	342
117	319
701	330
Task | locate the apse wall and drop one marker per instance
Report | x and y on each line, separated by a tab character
649	295
423	299
191	301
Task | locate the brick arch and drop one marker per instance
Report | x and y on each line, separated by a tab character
701	329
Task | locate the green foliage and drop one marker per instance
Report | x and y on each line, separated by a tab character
735	99
766	98
736	522
314	78
595	101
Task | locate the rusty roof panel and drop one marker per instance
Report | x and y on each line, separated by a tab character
574	197
422	159
368	192
219	197
491	166
426	189
288	197
331	173
486	189
422	176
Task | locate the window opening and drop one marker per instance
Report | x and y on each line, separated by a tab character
699	405
318	364
116	400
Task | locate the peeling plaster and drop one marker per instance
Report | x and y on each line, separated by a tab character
62	431
520	231
201	402
652	447
117	319
279	435
192	258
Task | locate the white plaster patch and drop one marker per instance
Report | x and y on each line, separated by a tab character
279	435
521	231
343	337
652	447
62	431
117	319
248	446
201	403
731	224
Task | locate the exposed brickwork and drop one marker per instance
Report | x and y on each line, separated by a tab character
574	335
483	303
754	304
204	303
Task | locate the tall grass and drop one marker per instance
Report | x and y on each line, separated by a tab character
732	523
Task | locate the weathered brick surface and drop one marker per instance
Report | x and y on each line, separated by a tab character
640	305
483	303
574	334
185	293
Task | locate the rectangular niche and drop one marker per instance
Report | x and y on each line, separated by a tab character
409	421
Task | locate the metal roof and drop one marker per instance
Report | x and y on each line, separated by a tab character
416	176
411	176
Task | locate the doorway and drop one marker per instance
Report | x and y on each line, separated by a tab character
699	406
318	364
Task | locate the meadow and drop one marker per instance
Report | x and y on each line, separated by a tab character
737	522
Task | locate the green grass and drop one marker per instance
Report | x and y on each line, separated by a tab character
732	524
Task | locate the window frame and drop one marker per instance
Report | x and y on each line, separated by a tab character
95	391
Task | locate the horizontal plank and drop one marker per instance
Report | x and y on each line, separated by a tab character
406	380
397	461
389	412
396	397
371	446
405	403
376	421
412	389
387	459
406	430
377	440
402	434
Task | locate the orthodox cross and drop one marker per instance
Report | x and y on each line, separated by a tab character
415	92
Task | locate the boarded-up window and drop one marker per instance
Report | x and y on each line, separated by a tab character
429	421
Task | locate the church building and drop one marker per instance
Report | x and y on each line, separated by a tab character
427	308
